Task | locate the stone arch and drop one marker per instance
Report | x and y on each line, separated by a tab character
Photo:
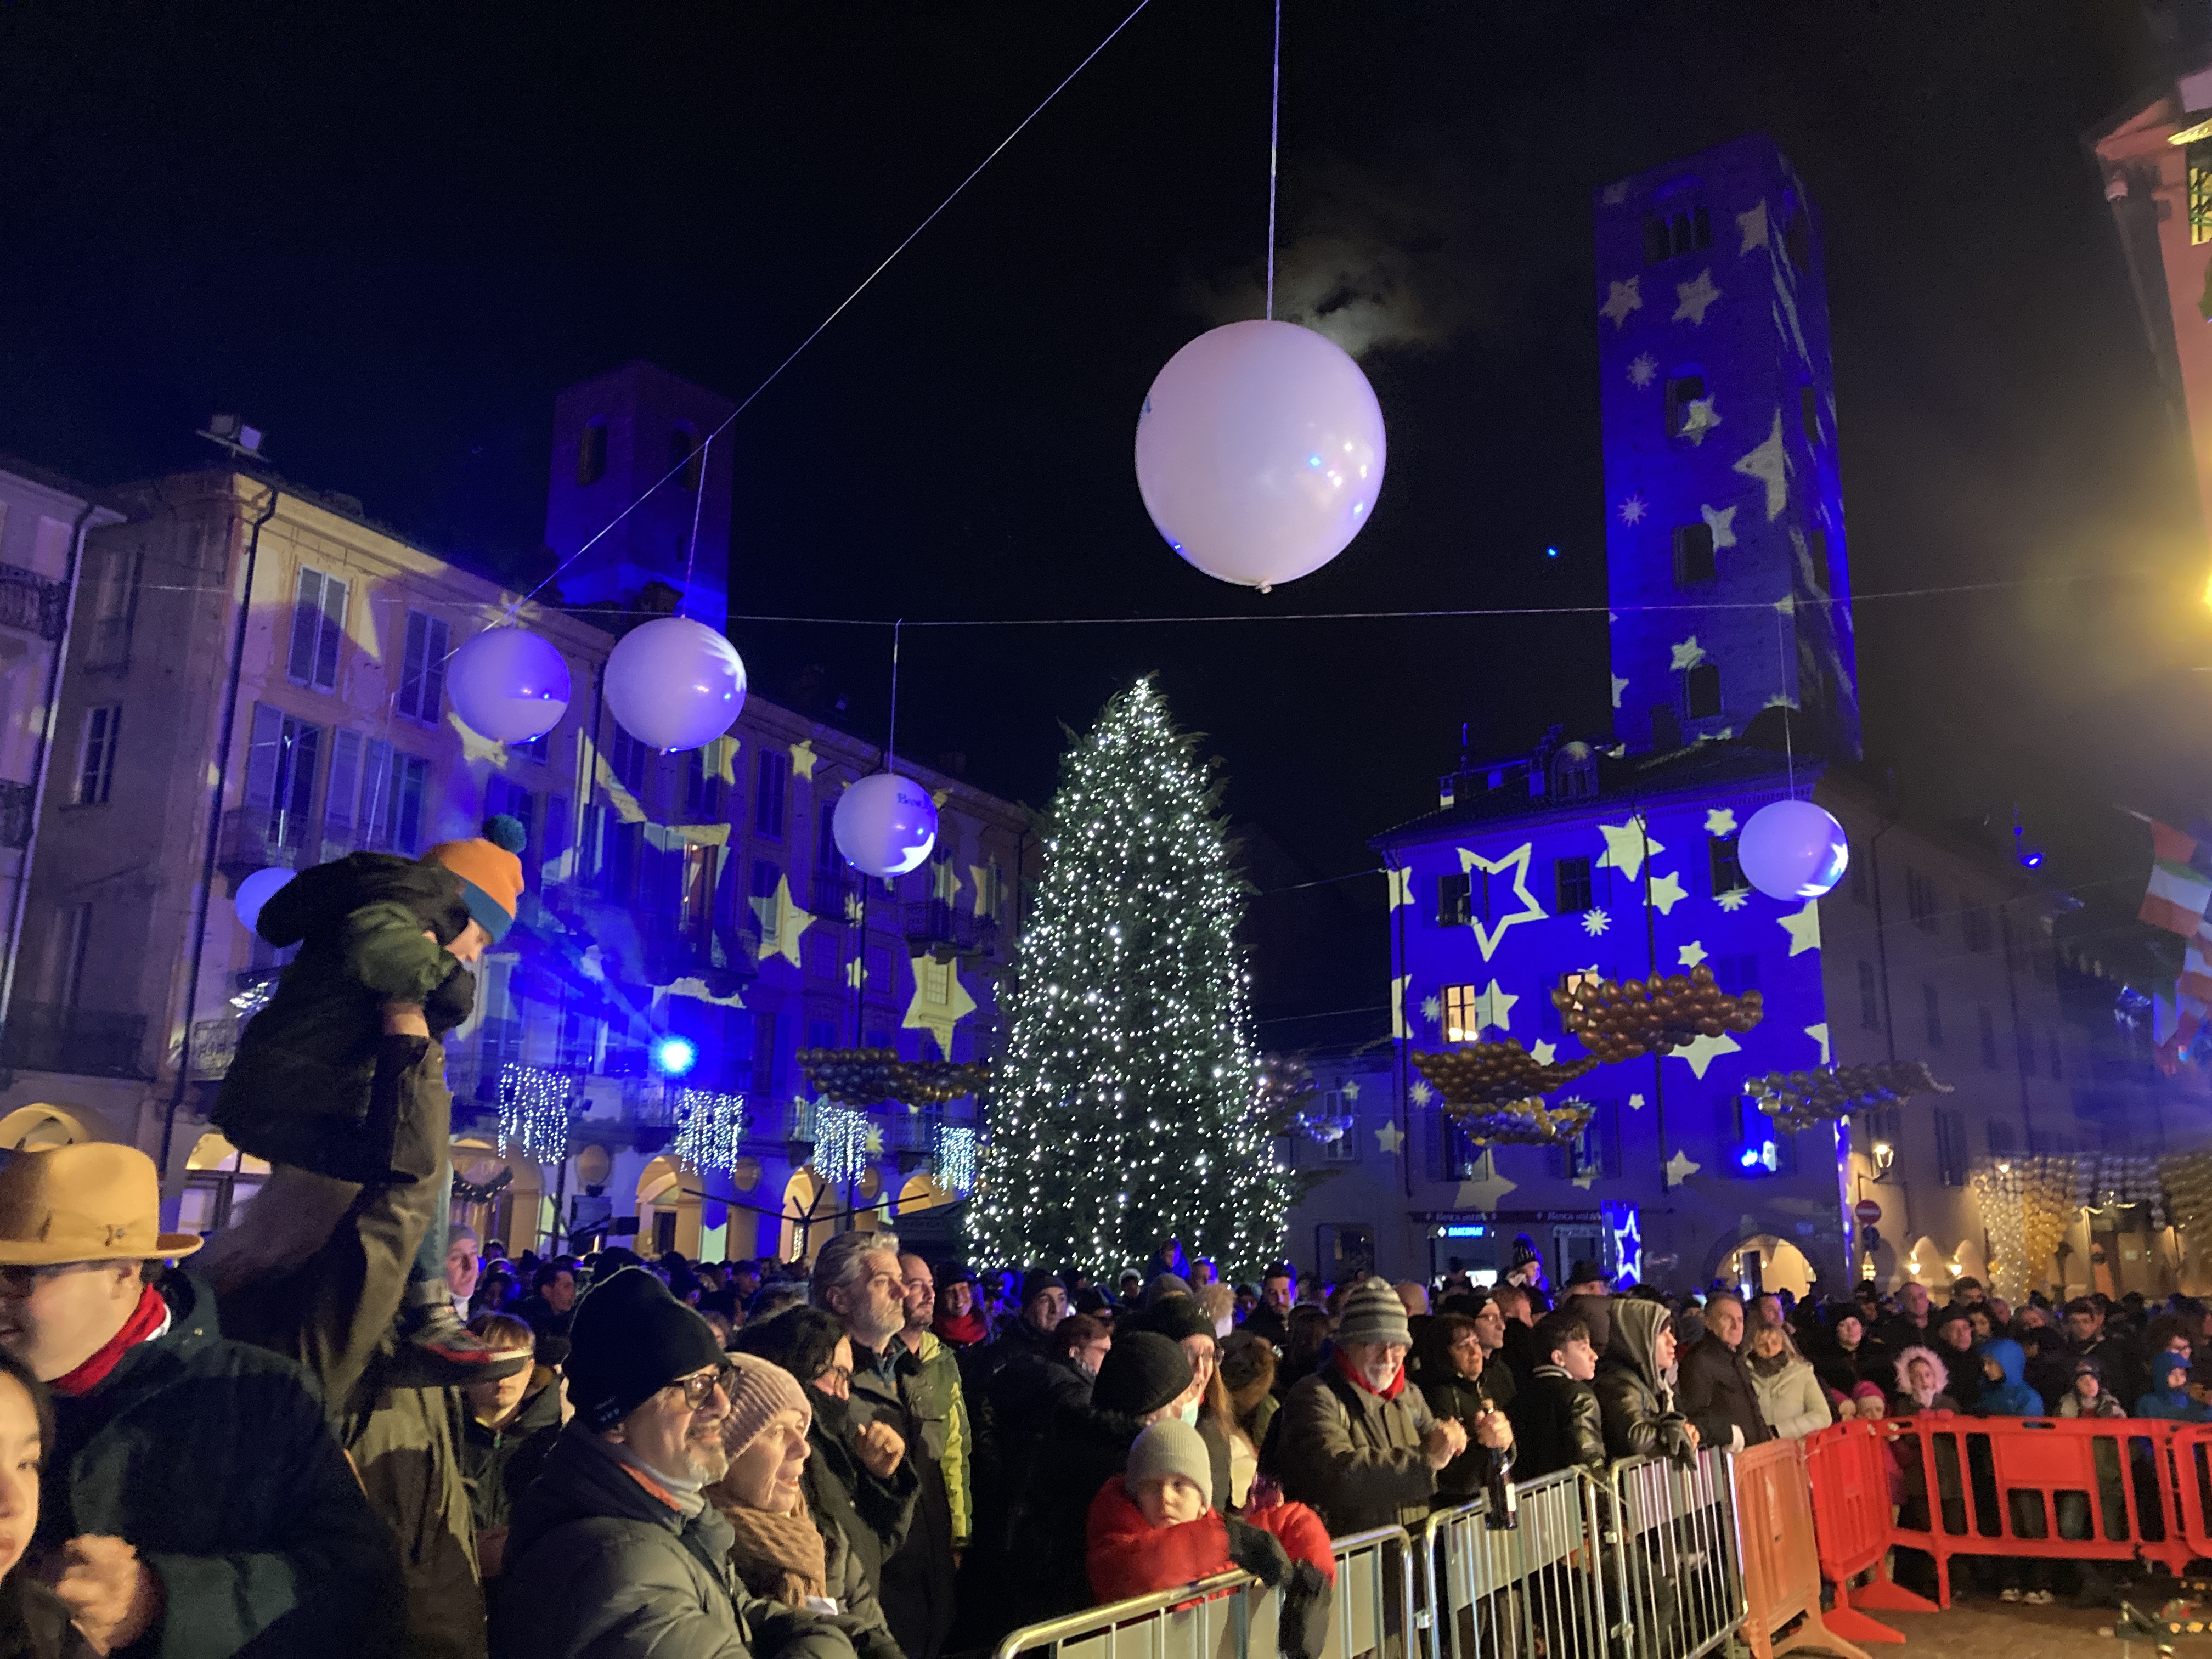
798	1238
516	1216
1929	1265
667	1212
29	1128
1782	1266
921	1192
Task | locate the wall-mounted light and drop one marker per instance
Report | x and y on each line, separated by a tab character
1884	1156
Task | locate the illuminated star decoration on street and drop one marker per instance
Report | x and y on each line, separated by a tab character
1633	510
1494	1007
782	924
1803	927
1421	1092
1754	227
1544	1053
1734	900
1820	1034
1517	861
1620	299
1626	845
854	973
1770	464
1584	1179
937	1018
1643	371
1700	1051
1636	1102
1721	521
1699	419
1401	887
1483	1194
1681	1168
1691	954
1694	299
1620	685
1595	923
1667	893
1720	821
1352	1089
1390	1138
1687	653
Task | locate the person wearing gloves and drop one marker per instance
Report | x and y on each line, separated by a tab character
1353	1440
616	1552
1635	1393
1152	1529
785	1549
1788	1391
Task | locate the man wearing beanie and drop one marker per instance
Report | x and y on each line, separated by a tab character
615	1552
1355	1442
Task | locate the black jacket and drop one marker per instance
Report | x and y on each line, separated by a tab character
1463	1477
1557	1424
916	1584
1716	1393
35	1624
212	1458
1263	1321
874	1513
1043	1539
499	1464
1634	1399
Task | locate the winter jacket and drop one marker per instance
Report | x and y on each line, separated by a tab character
1790	1400
299	1090
916	1580
601	1565
1464	1477
499	1464
2070	1404
213	1459
35	1624
875	1512
1843	1370
1351	1455
1636	1402
1556	1425
1716	1393
942	1405
2169	1393
1130	1557
2012	1397
1035	1565
860	1614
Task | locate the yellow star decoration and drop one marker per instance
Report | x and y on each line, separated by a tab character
803	758
1734	900
1681	1168
854	974
1721	521
1666	892
1820	1034
1688	653
1517	861
856	906
1351	1088
1398	988
1636	1102
1720	821
625	804
722	760
1621	298
1754	227
696	989
1401	887
1584	1181
1803	927
943	881
1421	1092
1390	1138
1691	954
1626	845
874	1143
1432	1009
985	877
1695	298
1544	1053
1483	1194
1701	1051
940	1001
1494	1007
782	924
1770	464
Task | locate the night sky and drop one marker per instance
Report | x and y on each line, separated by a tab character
387	239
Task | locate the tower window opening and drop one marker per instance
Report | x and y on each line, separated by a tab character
1681	392
684	452
592	453
1701	691
1694	554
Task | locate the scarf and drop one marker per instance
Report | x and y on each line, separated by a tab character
148	1320
685	1496
779	1556
964	1332
1773	1366
1351	1373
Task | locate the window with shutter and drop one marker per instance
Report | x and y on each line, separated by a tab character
410	786
318	626
422	668
768	805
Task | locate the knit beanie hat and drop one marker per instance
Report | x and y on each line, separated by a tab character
631	1341
1372	1313
1142	1372
1176	1318
1170	1447
1161	1286
1035	1284
758	1389
1867	1391
490	872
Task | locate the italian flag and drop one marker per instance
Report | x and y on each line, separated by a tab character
2179	889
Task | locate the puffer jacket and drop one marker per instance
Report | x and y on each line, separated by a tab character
300	1089
601	1565
1353	1456
1791	1399
942	1405
1636	1401
1557	1424
2012	1397
499	1464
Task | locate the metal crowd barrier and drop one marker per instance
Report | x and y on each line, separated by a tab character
1671	1537
1533	1591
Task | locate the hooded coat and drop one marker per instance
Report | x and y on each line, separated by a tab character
2168	1397
1635	1399
2012	1397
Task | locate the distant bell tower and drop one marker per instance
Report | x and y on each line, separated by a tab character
1724	514
613	437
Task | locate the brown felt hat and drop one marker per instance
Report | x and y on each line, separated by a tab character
96	1201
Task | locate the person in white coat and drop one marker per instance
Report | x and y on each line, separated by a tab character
1790	1393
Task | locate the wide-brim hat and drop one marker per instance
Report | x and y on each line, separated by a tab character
95	1201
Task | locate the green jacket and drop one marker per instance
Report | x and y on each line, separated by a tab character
213	1459
300	1085
942	1407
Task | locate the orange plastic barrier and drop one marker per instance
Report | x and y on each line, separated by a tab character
1781	1563
1847	1469
2053	1489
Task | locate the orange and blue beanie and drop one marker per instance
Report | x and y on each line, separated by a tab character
490	872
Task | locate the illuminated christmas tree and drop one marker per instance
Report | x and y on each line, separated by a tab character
1122	1109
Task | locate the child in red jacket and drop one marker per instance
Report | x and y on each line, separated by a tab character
1152	1530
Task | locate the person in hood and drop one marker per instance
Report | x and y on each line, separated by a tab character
2004	1391
1635	1386
2168	1394
1922	1378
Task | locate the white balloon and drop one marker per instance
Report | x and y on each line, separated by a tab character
675	683
255	891
1260	451
1792	849
508	683
885	824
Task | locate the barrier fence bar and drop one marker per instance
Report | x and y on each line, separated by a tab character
1371	1611
1533	1589
1232	1616
1847	1469
1781	1562
1679	1592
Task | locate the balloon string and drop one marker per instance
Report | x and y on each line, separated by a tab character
822	327
1788	743
1274	132
698	505
891	737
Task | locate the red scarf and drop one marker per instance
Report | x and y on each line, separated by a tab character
964	1332
1351	1374
148	1318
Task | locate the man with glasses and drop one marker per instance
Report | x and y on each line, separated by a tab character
614	1551
194	1501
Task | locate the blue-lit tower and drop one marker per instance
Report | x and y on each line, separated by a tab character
1724	518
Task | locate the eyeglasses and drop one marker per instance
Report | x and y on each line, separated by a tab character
19	1281
697	1390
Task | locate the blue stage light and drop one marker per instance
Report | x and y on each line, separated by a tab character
672	1056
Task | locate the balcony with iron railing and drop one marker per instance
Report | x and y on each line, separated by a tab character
17	802
30	602
935	924
258	837
46	1037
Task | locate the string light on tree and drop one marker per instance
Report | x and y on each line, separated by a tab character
1125	1100
533	1113
956	1158
712	1127
841	1145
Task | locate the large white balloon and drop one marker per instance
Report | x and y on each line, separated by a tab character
885	824
675	683
508	683
1260	451
1792	849
255	891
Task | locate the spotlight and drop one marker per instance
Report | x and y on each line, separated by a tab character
672	1056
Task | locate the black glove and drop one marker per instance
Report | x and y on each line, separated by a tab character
1302	1632
1257	1551
452	1003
